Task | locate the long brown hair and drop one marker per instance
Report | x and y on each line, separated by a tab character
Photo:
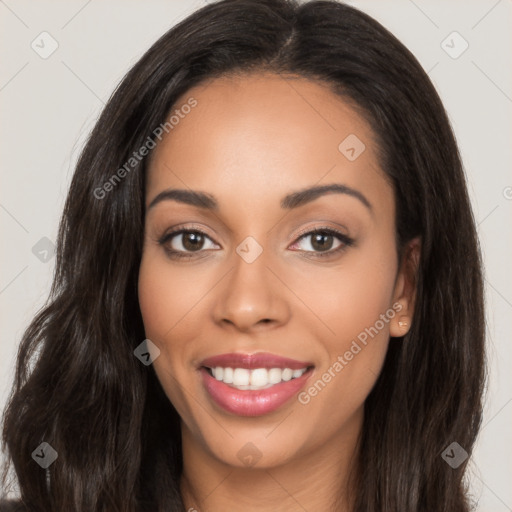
78	385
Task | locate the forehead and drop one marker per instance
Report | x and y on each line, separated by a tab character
250	138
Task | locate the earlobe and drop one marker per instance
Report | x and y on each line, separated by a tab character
400	327
405	289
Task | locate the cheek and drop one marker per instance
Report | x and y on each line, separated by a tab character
351	298
356	304
166	298
157	299
167	295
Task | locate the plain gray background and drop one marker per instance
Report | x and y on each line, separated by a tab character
48	106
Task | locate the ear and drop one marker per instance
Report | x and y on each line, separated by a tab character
405	289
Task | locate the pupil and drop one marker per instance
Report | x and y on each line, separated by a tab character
318	244
192	241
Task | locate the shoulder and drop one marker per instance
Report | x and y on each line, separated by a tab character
12	506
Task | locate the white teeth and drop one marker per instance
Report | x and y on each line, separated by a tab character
259	378
287	374
274	375
241	377
228	375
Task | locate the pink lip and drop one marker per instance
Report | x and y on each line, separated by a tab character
252	361
252	402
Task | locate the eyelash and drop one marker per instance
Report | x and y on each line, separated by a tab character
344	239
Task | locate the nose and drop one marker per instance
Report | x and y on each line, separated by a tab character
251	297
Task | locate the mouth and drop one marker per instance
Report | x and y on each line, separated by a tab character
260	378
252	385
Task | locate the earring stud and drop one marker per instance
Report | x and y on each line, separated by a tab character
402	323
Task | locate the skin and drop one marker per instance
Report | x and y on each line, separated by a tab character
250	141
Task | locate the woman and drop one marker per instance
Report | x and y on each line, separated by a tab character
268	293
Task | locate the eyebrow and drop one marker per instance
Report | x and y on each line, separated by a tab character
290	201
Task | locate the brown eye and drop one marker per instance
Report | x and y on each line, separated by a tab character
184	242
323	242
192	241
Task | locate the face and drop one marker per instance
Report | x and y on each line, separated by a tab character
259	273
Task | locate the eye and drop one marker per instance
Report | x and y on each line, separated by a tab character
321	241
185	242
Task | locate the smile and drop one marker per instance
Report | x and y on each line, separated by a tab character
260	378
253	384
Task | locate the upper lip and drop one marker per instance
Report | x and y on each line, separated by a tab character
252	361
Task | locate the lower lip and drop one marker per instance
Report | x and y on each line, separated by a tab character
252	402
